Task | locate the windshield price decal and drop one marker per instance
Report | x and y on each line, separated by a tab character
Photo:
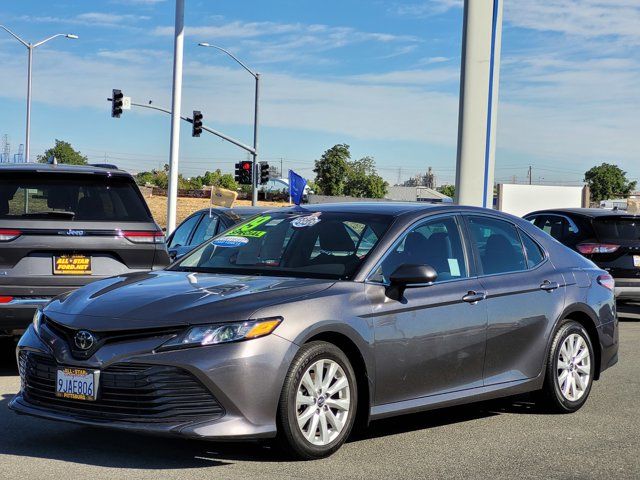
230	241
249	229
306	221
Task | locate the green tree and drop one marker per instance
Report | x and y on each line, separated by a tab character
331	170
362	180
63	153
448	190
608	181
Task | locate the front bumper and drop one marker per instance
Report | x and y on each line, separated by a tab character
245	378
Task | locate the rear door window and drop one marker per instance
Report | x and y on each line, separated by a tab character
498	245
71	197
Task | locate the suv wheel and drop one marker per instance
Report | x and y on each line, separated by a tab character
570	369
318	402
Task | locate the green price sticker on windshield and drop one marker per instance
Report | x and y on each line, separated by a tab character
248	230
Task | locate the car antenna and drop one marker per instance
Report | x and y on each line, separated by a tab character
52	160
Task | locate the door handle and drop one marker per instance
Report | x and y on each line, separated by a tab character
549	286
474	297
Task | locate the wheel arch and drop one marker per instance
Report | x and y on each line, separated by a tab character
586	317
360	367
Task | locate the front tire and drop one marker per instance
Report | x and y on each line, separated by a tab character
570	369
318	402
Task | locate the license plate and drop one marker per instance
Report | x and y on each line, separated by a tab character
636	261
71	265
77	383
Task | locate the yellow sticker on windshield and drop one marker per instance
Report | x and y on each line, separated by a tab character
249	229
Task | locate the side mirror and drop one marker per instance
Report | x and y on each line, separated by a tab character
407	276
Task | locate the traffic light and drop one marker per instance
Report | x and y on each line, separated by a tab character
197	123
244	172
264	173
116	103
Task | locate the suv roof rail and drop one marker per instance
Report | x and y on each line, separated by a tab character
104	165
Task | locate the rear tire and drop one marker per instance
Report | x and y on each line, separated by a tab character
570	370
318	402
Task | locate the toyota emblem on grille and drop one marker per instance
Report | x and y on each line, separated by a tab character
84	340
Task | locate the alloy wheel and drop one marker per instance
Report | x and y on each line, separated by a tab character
323	402
574	367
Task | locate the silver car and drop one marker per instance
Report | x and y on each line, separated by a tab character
301	322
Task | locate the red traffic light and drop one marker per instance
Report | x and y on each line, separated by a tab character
246	166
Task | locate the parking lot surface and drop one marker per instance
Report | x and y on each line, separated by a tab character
502	439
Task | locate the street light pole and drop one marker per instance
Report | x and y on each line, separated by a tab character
254	154
31	47
27	141
256	173
176	101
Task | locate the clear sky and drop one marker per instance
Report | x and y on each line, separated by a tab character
380	75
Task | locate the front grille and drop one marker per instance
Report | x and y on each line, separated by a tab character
102	338
127	392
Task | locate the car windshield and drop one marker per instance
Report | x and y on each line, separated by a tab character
71	197
617	228
300	244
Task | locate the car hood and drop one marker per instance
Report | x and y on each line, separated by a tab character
169	298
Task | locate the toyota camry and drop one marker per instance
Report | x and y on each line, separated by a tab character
299	323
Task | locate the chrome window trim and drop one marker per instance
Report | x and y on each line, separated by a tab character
456	217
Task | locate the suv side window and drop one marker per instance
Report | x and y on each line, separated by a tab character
436	243
556	226
498	245
181	235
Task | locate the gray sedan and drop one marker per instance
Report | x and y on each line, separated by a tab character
300	323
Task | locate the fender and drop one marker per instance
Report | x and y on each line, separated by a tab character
577	307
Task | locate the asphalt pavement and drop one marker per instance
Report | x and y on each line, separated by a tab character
502	439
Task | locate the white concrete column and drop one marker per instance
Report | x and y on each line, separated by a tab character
479	79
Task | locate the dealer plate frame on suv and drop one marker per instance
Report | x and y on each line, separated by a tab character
72	264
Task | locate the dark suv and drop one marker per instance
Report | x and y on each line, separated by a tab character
610	238
63	226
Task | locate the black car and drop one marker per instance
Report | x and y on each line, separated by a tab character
610	238
204	224
63	226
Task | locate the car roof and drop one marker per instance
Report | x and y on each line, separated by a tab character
61	168
585	212
391	208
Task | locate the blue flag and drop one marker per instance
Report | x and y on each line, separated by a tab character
296	187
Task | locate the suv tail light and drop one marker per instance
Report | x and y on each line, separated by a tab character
6	299
606	281
8	235
143	237
590	248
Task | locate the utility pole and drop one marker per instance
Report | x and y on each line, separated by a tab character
172	193
530	174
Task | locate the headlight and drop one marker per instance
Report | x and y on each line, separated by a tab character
221	333
37	319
